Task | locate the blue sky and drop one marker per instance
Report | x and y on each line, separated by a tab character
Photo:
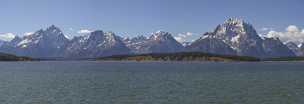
140	17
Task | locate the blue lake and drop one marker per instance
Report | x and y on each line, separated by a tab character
91	82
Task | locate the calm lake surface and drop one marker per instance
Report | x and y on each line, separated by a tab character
89	82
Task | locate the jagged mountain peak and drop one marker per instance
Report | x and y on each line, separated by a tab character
158	42
237	34
235	26
111	37
97	44
42	43
53	27
234	21
39	31
161	35
96	35
291	45
233	37
138	38
160	32
100	35
235	30
53	30
110	34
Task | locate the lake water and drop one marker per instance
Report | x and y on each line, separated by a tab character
89	82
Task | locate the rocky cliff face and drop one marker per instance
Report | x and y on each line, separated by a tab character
275	48
298	50
242	38
158	42
43	43
209	44
96	44
233	37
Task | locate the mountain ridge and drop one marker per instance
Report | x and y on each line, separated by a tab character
233	37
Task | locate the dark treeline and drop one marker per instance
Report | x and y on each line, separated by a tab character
10	57
285	59
182	56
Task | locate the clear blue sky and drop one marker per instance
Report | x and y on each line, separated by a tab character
134	17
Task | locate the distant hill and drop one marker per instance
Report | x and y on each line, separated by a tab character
182	56
10	57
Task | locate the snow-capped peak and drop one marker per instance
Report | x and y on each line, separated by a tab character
53	30
238	34
159	32
139	38
110	36
234	21
235	26
53	27
50	37
102	39
160	35
28	33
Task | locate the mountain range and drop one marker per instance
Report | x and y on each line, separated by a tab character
233	37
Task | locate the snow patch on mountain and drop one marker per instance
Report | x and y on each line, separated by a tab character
158	42
7	36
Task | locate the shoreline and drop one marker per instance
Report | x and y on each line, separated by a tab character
154	61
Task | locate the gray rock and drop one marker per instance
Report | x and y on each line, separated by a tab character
275	48
96	44
158	42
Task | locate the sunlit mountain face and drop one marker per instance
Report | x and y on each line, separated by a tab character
234	37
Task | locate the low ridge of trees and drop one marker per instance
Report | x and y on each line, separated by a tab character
182	56
10	57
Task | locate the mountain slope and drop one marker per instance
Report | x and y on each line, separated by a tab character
43	43
298	50
242	38
96	44
158	42
233	37
208	44
275	48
